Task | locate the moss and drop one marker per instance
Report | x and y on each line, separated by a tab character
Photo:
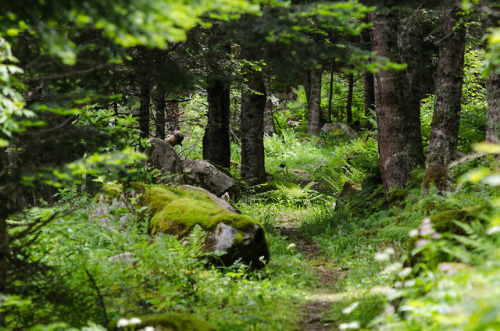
238	239
178	211
437	175
443	222
170	322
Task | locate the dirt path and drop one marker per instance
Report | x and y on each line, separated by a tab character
321	298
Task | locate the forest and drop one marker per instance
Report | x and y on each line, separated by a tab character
249	165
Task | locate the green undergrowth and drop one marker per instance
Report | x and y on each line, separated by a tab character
86	279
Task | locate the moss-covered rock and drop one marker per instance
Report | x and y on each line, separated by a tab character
178	210
163	322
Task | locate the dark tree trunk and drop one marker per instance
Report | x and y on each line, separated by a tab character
493	93
269	127
492	16
313	125
145	103
398	110
330	94
368	82
172	116
446	118
350	92
160	106
216	144
4	235
252	126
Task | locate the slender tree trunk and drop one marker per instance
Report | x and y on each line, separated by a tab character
492	16
313	125
398	113
145	103
252	125
350	92
216	144
160	106
269	127
493	120
172	116
4	235
330	95
368	80
446	118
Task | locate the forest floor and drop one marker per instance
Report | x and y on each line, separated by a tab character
314	311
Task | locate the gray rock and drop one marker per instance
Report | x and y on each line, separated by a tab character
164	157
340	130
204	174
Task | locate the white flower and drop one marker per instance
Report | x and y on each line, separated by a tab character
404	273
149	328
351	325
351	307
135	320
421	242
493	229
122	322
292	245
381	257
413	233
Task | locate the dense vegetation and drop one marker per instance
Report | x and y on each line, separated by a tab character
364	232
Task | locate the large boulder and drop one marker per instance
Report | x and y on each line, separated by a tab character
204	174
339	130
178	210
162	156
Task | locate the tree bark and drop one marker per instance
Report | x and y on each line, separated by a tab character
253	103
492	16
350	92
145	102
313	125
330	94
160	121
368	80
493	119
216	144
397	109
269	127
172	116
446	118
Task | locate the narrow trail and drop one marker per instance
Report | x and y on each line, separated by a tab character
314	311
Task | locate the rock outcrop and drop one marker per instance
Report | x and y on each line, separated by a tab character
204	174
178	210
163	157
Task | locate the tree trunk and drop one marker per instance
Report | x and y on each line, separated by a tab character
493	120
446	118
269	127
160	105
144	106
492	16
350	90
172	116
313	125
252	126
4	235
330	94
398	113
216	144
368	82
